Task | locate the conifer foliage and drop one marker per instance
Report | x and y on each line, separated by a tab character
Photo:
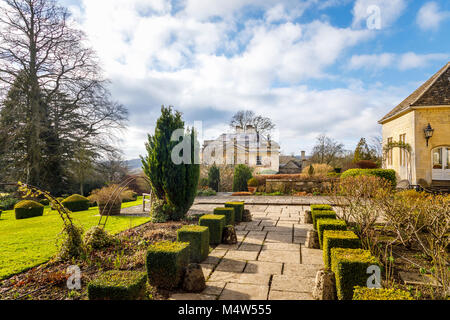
174	184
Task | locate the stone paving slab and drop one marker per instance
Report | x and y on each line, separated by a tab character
238	291
269	261
263	267
292	283
279	256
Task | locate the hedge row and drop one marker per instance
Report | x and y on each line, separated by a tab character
28	209
363	293
387	174
321	214
329	224
118	285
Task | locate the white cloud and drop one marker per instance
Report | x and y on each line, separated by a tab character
430	16
209	68
390	11
406	61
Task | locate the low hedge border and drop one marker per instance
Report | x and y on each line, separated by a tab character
166	262
198	238
329	224
338	239
76	203
238	210
364	293
28	209
325	207
215	224
118	285
350	269
228	213
387	174
321	214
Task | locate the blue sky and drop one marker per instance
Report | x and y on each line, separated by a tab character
332	67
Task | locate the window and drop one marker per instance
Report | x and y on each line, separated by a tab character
402	151
389	155
258	161
437	158
448	159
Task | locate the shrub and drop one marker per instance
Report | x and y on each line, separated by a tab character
111	194
129	196
206	192
317	169
214	177
28	209
329	224
316	207
76	203
364	293
44	202
350	269
97	238
8	203
238	209
215	223
159	211
338	239
366	164
228	213
166	262
253	182
387	174
322	214
242	174
203	183
198	238
118	285
174	183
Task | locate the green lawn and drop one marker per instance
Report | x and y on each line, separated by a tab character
27	243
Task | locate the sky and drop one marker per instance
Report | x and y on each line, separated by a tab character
314	67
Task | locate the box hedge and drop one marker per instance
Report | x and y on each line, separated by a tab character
321	214
325	207
28	209
338	239
387	174
350	269
215	224
76	203
198	238
238	209
329	224
364	293
118	285
228	213
166	262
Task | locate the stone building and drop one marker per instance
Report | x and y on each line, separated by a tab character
293	164
243	146
422	120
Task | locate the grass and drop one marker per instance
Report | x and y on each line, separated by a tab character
30	242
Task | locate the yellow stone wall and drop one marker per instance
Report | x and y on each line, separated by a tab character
439	118
412	124
393	129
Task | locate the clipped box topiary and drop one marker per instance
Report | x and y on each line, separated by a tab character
350	269
198	238
238	209
118	285
321	214
325	207
166	262
228	213
338	239
364	293
28	209
329	224
215	224
76	203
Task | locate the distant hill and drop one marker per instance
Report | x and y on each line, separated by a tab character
134	165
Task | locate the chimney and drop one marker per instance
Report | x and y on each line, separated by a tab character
303	156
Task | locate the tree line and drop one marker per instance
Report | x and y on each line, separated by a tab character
57	116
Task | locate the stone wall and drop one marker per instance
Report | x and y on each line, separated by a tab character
287	186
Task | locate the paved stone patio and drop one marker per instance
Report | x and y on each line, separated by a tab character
269	262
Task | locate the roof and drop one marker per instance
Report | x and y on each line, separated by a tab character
434	92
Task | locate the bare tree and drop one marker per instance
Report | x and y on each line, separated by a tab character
243	119
66	95
327	150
